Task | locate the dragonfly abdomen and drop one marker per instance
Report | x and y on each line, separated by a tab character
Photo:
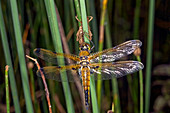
86	84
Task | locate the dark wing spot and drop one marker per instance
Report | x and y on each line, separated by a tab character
37	51
97	66
81	58
73	68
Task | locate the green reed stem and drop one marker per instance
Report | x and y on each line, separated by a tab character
136	20
7	89
52	17
136	36
21	56
116	98
77	7
76	48
84	19
101	41
93	95
67	23
141	87
107	85
44	24
9	63
117	14
149	53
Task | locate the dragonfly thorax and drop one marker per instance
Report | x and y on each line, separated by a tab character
84	63
84	50
84	53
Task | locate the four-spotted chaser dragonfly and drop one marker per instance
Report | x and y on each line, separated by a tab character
91	64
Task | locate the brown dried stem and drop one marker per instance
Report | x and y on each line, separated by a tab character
44	81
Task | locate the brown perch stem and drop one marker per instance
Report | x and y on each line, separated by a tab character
44	81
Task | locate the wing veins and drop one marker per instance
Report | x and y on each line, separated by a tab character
54	72
115	53
115	69
52	56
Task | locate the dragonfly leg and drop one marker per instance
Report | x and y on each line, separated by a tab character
92	46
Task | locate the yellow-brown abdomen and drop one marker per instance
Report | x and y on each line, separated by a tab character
86	84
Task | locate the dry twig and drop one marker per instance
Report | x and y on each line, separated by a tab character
44	81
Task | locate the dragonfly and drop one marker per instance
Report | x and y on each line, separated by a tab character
104	63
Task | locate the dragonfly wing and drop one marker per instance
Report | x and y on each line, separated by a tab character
55	73
115	69
115	53
52	57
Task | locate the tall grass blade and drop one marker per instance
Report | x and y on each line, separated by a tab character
116	98
78	12
68	24
52	17
21	56
74	25
7	89
93	95
84	19
9	63
141	87
45	26
101	42
136	20
149	54
136	36
117	14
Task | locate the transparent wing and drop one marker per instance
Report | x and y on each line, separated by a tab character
115	69
55	73
52	57
115	53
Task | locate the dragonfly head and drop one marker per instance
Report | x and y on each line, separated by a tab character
84	47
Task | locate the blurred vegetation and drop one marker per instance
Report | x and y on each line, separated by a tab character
27	25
